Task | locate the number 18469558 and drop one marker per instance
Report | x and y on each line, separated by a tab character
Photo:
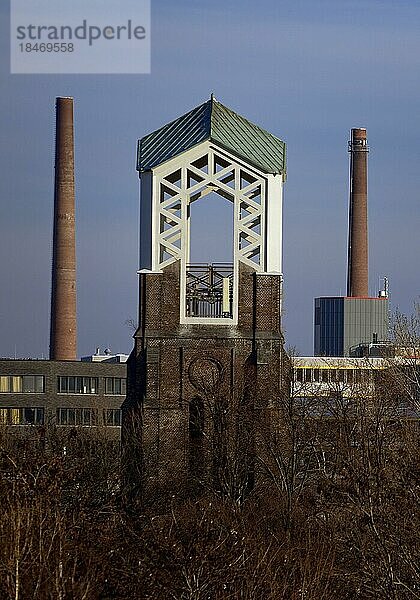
47	47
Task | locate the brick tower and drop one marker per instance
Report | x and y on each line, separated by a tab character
208	362
357	263
63	326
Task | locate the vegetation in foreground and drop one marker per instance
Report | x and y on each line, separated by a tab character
335	516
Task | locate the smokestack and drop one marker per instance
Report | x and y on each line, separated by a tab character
357	263
63	333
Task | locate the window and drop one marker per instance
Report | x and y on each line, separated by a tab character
316	375
308	375
325	375
365	375
361	375
196	440
112	417
196	419
77	416
16	383
21	416
70	384
115	386
22	384
32	383
299	375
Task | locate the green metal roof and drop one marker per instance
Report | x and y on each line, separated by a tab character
213	121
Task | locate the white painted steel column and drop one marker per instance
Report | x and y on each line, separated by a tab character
274	228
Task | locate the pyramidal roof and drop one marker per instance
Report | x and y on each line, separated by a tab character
213	121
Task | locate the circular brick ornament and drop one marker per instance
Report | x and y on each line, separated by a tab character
205	374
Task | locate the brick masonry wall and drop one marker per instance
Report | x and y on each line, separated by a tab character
230	368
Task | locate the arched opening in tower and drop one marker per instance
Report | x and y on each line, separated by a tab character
211	229
209	274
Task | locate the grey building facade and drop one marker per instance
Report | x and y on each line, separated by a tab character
340	323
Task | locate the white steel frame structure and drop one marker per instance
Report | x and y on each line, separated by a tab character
168	190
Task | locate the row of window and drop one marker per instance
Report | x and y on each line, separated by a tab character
22	384
115	386
68	384
316	375
21	416
77	385
65	416
88	416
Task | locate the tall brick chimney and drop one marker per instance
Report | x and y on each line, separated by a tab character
63	332
357	264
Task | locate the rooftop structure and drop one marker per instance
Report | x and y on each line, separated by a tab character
211	151
214	122
106	356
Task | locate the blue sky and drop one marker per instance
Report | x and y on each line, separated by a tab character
307	71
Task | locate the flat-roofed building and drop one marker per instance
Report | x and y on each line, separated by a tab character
394	379
62	393
314	376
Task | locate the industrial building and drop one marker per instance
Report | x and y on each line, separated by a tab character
342	323
63	391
